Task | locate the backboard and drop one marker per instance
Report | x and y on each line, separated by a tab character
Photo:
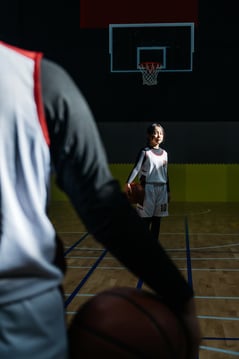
171	44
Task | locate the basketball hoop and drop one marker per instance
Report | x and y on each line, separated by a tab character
150	71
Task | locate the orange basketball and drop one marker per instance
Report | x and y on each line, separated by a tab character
126	323
136	195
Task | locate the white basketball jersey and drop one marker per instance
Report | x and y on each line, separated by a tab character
27	238
154	168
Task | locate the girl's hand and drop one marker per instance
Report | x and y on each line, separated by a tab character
128	188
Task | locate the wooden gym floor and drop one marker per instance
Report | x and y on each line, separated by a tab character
202	239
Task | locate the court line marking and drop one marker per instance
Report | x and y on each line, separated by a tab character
86	248
75	244
188	253
213	269
207	247
206	211
174	258
218	246
197	297
205	259
204	347
82	282
214	317
183	268
167	249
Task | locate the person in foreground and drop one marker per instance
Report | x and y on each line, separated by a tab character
45	121
152	169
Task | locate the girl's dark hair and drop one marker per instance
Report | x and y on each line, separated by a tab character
151	128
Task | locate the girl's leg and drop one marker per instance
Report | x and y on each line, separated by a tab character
155	227
147	221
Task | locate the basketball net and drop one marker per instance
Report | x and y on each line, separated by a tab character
150	71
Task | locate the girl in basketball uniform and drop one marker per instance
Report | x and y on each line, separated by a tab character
151	167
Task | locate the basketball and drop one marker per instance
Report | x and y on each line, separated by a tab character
136	195
126	323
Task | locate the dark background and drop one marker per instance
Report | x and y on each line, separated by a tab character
209	93
198	109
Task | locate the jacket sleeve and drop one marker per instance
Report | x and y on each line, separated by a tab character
138	164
